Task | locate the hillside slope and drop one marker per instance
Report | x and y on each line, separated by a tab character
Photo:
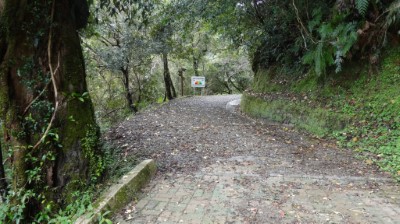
359	107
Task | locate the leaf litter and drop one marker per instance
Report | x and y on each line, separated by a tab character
191	134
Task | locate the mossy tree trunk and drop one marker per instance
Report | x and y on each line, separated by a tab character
28	96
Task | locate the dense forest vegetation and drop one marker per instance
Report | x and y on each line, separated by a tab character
70	69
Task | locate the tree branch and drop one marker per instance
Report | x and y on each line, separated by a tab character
301	23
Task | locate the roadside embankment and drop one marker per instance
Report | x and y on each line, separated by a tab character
358	108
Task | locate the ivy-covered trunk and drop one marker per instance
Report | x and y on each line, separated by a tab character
48	117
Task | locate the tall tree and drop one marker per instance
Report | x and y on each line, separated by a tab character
162	34
120	44
113	50
170	91
48	118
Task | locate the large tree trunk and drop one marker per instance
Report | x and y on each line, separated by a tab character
26	77
169	86
3	48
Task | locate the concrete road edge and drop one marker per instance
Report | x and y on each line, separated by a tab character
121	193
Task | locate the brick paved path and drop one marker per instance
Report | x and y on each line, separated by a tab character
269	181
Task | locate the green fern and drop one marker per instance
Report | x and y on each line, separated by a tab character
335	42
393	15
362	6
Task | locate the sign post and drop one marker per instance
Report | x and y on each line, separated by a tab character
198	82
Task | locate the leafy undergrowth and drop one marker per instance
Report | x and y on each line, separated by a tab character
374	103
359	109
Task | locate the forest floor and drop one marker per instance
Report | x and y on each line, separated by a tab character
215	166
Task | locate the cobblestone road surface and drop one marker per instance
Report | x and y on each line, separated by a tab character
221	167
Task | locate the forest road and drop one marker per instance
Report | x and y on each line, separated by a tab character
221	167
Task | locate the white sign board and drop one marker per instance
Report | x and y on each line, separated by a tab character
198	81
